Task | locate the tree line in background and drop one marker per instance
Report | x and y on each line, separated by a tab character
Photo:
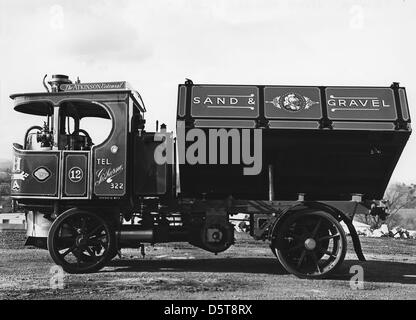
5	200
398	196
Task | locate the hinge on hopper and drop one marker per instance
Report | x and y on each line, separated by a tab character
401	125
325	124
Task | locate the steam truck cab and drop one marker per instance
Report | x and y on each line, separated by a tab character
301	160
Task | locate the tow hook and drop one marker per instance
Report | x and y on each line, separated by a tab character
379	209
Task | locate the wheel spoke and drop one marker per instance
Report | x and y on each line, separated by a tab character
78	256
94	230
68	251
96	243
329	237
329	253
302	257
297	237
83	223
91	252
97	237
65	243
297	247
303	229
72	227
315	260
318	225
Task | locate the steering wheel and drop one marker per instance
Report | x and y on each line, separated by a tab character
86	134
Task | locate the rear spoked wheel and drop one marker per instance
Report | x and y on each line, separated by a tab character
81	241
310	244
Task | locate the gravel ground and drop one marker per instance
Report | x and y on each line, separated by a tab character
179	271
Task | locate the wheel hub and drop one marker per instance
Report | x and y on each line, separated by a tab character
310	244
216	236
80	241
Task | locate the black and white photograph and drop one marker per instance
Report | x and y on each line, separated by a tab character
207	155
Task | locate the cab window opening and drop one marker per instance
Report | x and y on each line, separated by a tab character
83	125
38	136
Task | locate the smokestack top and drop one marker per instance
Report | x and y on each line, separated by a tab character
57	80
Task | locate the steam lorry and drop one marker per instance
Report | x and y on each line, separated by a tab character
293	161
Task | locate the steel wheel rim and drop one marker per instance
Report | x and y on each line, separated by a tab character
312	245
81	241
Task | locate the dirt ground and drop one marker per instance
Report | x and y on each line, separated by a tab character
179	271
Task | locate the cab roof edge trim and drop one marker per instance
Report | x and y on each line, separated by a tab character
63	93
134	95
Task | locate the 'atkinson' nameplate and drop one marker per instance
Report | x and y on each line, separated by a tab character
122	85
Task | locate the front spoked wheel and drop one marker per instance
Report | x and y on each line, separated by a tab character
310	244
81	241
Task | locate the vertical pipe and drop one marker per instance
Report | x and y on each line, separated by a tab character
55	209
55	127
271	183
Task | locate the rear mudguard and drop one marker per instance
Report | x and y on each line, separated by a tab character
336	213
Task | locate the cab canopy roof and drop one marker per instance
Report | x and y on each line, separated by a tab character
79	99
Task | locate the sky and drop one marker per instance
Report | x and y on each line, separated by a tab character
156	44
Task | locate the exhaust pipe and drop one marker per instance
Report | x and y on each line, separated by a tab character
132	234
271	183
136	235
